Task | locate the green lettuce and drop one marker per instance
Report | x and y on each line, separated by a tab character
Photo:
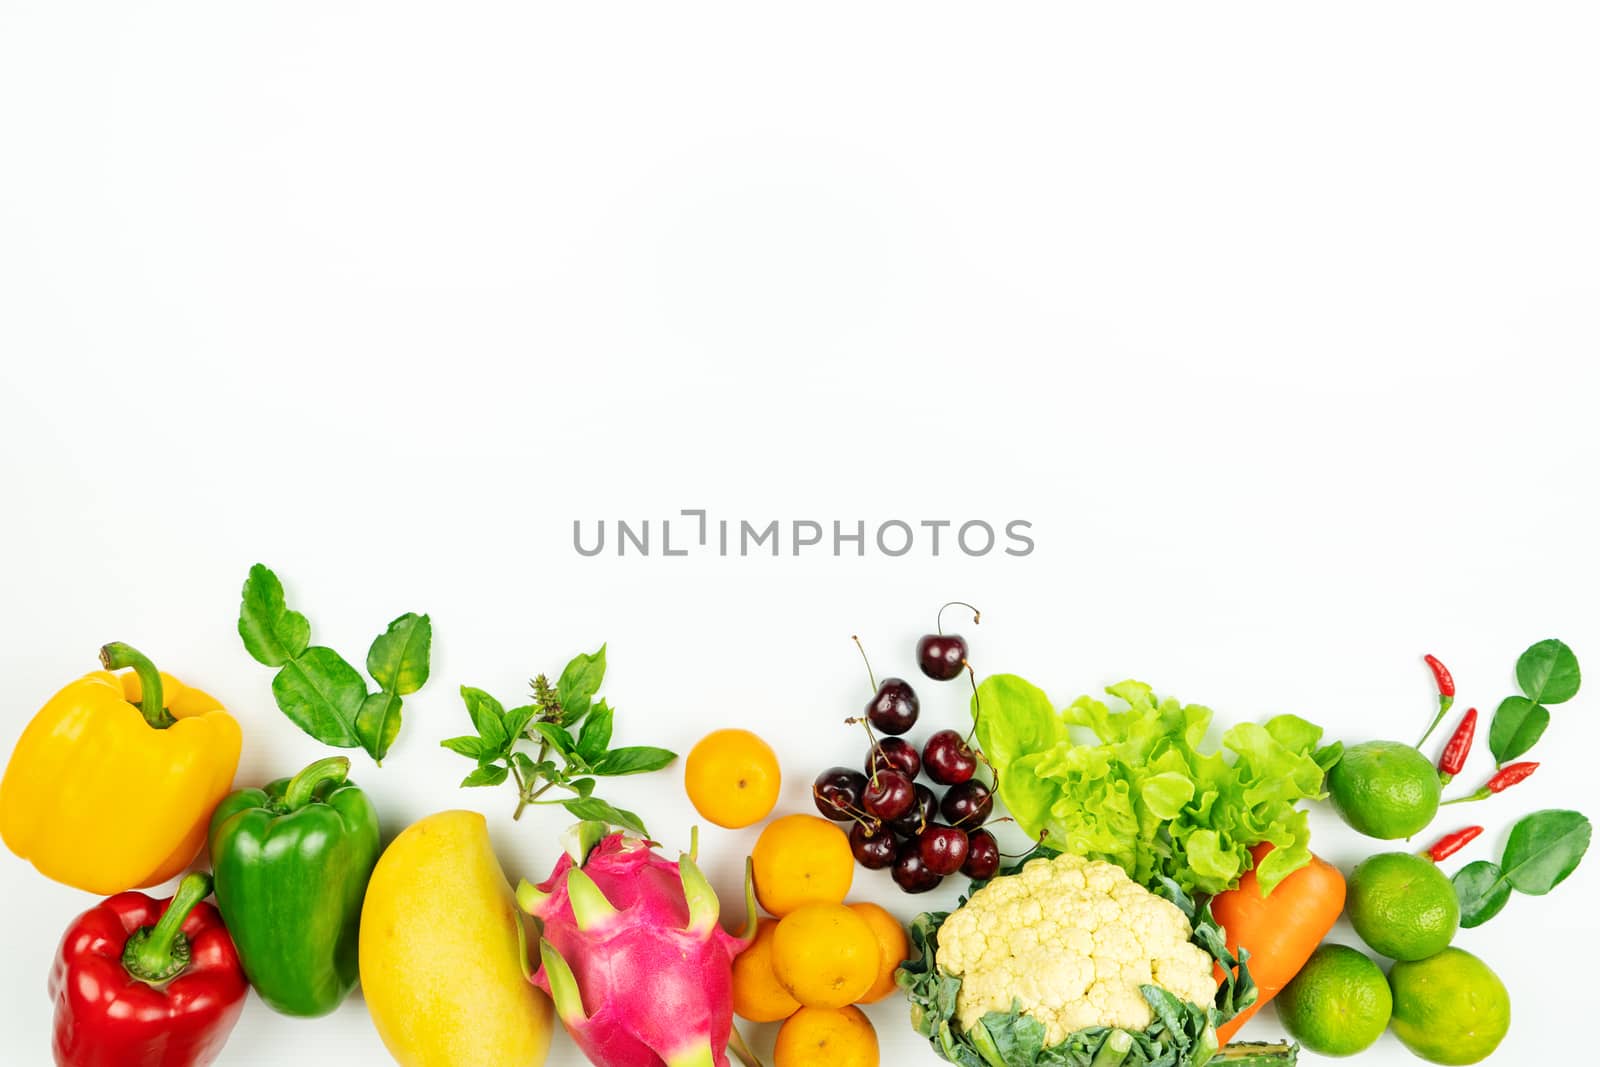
1144	793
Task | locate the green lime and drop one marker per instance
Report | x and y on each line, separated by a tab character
1338	1004
1385	789
1449	1008
1402	905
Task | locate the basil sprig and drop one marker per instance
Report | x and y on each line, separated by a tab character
1547	673
564	758
1543	849
316	687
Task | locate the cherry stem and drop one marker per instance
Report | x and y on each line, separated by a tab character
977	705
870	677
1020	855
938	623
865	818
872	739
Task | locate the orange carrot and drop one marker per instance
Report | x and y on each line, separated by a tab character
1280	930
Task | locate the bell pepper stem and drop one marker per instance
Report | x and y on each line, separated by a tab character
159	953
116	656
303	786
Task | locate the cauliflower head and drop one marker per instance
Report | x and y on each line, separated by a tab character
1071	940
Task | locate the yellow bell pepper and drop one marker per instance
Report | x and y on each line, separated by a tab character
112	784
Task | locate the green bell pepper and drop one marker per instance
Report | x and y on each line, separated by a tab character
291	863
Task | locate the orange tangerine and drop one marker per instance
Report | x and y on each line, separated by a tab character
732	778
834	1037
757	995
825	955
893	948
802	859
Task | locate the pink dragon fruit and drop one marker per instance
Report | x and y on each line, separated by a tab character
633	956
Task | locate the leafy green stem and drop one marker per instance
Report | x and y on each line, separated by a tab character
572	731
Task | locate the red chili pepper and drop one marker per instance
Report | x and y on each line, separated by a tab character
1447	693
1454	756
150	982
1450	844
1504	779
1441	675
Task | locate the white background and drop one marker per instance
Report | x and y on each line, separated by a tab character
1279	325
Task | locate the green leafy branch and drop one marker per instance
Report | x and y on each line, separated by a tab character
1547	673
571	732
315	687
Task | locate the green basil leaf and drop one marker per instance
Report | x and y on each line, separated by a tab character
517	719
557	736
1548	673
595	736
378	723
1481	890
488	774
582	786
1518	724
398	660
1543	849
596	810
488	717
468	746
272	634
580	681
525	765
636	759
321	694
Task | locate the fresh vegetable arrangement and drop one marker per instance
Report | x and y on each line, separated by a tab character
1165	891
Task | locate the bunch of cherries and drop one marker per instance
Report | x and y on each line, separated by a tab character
896	818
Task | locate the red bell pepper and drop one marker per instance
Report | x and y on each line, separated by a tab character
139	982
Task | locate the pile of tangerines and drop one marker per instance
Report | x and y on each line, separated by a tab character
816	957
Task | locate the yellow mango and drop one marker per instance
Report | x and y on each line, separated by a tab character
441	961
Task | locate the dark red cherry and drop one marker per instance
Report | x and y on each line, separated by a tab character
919	816
889	795
894	707
948	759
837	792
942	656
894	754
967	805
910	873
943	849
983	856
873	846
